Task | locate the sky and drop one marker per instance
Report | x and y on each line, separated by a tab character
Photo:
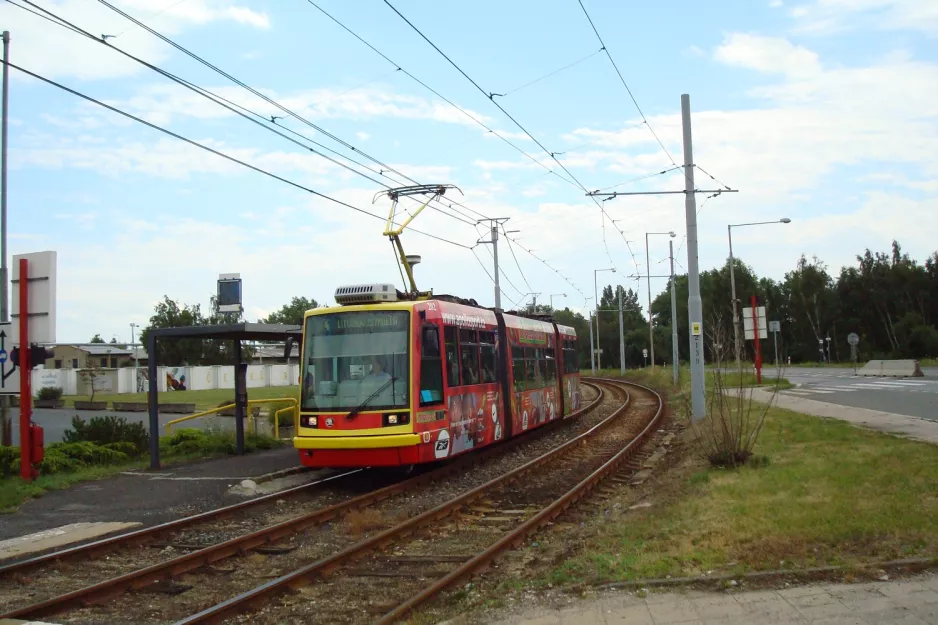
822	111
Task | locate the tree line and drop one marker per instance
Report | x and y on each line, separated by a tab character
888	299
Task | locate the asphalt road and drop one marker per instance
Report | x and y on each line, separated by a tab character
915	397
55	422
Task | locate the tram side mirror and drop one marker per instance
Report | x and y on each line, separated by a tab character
288	348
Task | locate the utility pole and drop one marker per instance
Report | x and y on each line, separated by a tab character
736	345
675	352
592	347
494	223
6	426
621	335
694	302
651	333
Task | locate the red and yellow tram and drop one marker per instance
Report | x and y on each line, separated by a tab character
387	381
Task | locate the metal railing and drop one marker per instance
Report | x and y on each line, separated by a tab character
294	406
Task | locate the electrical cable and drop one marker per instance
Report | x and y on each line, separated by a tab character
556	71
219	153
206	63
491	98
517	264
230	105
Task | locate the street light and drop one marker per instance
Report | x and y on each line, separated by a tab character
729	231
133	346
651	336
552	298
593	361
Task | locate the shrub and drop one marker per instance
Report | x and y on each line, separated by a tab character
109	429
49	393
9	461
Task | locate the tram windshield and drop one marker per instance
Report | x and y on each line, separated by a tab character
355	357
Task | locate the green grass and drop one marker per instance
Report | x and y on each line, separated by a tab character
831	494
203	400
173	450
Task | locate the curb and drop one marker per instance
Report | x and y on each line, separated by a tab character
267	477
921	563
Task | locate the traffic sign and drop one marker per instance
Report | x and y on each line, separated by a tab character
748	323
645	353
775	326
853	339
9	370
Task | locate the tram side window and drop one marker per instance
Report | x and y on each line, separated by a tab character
452	357
550	368
517	368
487	352
530	358
469	353
431	366
570	364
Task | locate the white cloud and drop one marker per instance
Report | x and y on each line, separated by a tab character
775	3
362	136
824	17
54	52
768	54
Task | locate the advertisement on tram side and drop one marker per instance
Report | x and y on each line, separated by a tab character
473	420
533	408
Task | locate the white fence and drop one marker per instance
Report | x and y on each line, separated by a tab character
169	379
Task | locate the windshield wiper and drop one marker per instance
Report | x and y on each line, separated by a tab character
354	411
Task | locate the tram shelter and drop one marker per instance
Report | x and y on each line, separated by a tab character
236	333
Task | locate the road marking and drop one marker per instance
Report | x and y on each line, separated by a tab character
57	537
836	389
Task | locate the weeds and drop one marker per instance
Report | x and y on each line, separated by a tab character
363	521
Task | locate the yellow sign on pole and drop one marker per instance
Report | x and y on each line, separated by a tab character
695	328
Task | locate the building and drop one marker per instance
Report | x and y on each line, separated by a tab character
265	354
83	356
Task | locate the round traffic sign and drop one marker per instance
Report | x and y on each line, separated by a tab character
3	356
645	353
853	339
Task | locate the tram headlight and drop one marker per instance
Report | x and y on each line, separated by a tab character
309	421
401	418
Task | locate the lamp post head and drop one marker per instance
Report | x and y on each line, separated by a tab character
613	270
785	220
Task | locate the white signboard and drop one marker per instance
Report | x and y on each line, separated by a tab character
775	326
9	371
41	297
748	323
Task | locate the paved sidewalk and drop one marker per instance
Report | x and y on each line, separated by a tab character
906	602
903	425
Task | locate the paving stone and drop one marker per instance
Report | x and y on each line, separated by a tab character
725	607
808	601
844	620
673	612
632	615
871	604
582	615
902	588
802	591
545	619
826	610
757	596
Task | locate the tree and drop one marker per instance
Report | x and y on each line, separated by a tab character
292	314
171	314
96	339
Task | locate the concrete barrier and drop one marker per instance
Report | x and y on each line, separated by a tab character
892	369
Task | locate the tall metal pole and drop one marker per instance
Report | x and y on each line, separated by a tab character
498	291
592	347
694	302
621	335
651	334
596	303
6	425
736	346
675	353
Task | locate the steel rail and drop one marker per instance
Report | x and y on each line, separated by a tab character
140	578
516	537
105	545
324	566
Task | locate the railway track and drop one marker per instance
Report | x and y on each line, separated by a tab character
202	554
